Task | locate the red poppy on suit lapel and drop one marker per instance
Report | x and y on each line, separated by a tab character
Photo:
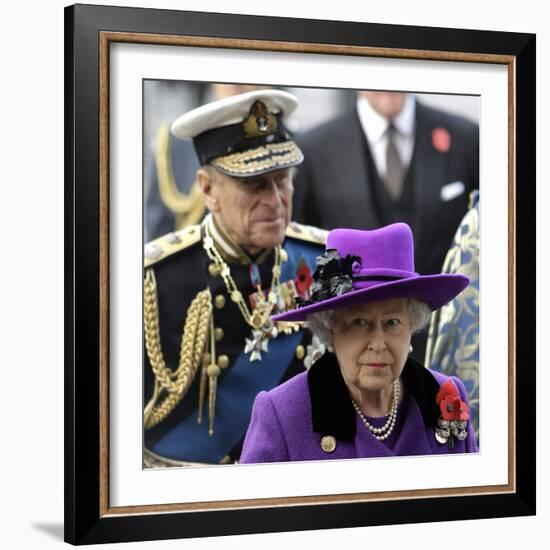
441	139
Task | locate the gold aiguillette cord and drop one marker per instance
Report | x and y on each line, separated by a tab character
210	371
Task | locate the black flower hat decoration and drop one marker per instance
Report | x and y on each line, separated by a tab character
332	277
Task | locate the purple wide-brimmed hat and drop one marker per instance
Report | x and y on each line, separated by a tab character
359	267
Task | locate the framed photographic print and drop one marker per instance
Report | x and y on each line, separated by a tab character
129	74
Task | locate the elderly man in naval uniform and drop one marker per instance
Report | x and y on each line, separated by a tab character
210	289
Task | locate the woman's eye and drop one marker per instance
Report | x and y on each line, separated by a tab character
393	323
359	322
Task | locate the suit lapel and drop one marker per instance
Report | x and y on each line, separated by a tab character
347	169
428	168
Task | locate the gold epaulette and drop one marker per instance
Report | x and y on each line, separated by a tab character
308	233
168	244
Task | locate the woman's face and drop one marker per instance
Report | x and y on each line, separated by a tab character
371	342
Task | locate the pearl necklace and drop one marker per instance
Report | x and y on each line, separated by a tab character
384	432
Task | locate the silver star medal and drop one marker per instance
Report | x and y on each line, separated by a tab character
260	341
256	345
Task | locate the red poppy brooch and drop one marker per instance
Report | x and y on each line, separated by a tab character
454	416
441	139
303	279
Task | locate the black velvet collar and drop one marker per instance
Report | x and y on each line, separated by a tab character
332	411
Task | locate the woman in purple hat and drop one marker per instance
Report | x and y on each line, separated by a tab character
365	397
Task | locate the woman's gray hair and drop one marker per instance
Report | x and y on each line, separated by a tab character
419	314
321	323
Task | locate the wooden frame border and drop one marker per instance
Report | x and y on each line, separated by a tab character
86	522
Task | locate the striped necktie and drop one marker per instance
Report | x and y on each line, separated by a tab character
394	167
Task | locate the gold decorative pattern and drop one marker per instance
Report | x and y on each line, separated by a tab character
266	157
214	270
259	316
328	443
169	244
187	208
171	386
153	460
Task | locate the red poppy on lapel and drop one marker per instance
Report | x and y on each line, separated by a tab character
441	139
450	404
446	389
453	408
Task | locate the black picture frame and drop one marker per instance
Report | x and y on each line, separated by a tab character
88	31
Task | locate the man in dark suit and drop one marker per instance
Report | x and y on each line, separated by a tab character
391	159
342	182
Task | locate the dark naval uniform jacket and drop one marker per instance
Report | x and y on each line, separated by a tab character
182	269
311	417
338	184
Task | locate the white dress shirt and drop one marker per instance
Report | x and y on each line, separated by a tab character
375	125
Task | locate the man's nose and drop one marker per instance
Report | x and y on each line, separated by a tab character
271	194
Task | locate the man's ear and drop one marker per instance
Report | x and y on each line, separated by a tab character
209	189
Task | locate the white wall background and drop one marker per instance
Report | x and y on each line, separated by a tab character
31	214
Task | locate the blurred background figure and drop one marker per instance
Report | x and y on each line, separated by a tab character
453	341
391	158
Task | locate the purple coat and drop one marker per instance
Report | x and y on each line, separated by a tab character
289	421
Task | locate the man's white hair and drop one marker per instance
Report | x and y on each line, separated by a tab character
321	323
